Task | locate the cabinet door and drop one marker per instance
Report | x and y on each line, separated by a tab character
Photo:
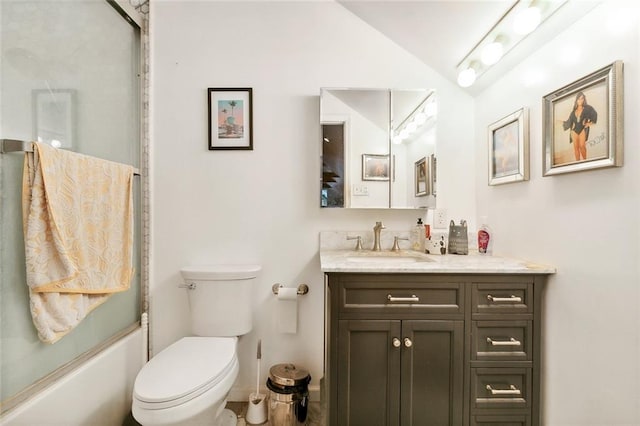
432	373
368	373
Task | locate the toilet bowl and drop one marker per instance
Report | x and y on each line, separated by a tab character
187	383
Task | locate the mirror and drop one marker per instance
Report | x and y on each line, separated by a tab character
378	148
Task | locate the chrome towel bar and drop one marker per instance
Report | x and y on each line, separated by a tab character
14	145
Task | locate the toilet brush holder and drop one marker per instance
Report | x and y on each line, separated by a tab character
257	409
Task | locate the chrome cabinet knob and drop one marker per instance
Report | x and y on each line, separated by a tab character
407	342
396	342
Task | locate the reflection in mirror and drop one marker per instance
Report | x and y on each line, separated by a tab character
363	116
413	141
333	165
361	167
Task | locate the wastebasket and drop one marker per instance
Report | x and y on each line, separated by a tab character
288	395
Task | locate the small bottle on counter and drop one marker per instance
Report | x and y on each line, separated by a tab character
485	238
417	237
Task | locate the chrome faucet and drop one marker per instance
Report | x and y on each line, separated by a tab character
376	236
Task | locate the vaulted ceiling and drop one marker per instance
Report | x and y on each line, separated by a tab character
442	32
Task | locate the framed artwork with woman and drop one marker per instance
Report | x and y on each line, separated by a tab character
583	123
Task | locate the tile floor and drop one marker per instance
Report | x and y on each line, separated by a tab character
315	415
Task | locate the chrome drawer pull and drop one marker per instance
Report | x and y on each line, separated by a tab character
511	342
394	299
511	391
511	299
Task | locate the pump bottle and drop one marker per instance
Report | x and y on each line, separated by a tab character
417	237
485	238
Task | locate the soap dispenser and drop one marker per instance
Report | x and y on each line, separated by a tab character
417	237
485	237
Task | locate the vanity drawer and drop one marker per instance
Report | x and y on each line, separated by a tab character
503	298
501	340
500	420
386	294
500	388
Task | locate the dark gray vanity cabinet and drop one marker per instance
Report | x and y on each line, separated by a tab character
432	349
399	372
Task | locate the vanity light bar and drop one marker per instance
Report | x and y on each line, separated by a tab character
423	107
518	21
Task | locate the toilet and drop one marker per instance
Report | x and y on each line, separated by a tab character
187	383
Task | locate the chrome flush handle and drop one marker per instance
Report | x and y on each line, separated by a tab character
190	285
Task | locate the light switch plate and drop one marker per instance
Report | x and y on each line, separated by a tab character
360	190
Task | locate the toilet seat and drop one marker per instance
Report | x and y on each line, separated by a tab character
184	370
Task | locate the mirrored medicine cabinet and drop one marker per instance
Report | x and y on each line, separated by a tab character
378	148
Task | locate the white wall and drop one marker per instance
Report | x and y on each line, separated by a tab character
584	223
263	205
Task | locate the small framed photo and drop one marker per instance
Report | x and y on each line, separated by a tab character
375	167
509	148
433	172
421	177
230	118
54	117
583	123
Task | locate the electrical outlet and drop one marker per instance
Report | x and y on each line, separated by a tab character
439	218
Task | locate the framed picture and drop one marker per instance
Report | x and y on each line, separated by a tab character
583	123
433	173
375	167
421	177
230	118
54	117
509	148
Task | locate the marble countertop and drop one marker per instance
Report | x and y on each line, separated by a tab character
407	261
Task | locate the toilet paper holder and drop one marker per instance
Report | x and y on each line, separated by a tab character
302	289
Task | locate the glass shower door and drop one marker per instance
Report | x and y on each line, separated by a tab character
69	77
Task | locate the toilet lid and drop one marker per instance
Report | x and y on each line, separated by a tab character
184	370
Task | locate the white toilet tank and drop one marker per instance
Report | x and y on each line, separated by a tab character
220	298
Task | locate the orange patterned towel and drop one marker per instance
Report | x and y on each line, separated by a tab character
78	231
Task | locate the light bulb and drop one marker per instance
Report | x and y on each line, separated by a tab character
412	127
431	109
492	53
467	77
421	117
397	140
527	20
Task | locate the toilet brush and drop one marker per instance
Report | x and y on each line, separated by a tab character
258	358
257	409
